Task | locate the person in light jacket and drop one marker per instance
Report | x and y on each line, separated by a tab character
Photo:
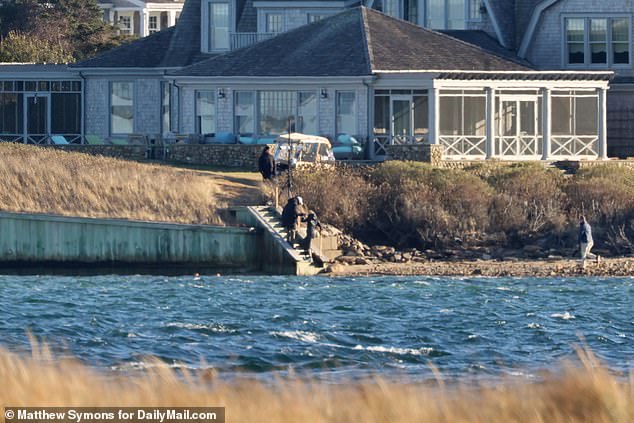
585	241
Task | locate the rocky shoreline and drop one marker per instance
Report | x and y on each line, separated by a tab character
358	259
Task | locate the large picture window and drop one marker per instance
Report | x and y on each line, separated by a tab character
307	112
597	41
346	120
205	112
276	112
122	108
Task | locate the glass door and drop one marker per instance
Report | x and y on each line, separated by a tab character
401	119
37	122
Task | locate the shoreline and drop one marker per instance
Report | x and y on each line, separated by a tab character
610	267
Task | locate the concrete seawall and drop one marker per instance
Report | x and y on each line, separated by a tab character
35	239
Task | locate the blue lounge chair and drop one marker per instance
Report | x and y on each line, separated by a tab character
59	140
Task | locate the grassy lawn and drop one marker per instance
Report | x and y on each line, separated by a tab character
40	180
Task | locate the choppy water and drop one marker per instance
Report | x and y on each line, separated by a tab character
327	327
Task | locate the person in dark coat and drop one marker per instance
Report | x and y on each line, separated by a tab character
291	213
266	164
585	241
312	223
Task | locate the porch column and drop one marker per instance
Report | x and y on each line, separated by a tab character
547	124
143	26
434	116
603	124
490	118
171	18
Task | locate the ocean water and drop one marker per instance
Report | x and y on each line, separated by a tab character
328	328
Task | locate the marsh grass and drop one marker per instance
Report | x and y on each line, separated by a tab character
581	393
39	180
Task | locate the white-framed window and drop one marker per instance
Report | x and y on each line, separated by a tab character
316	17
153	24
451	14
166	106
274	22
270	113
206	112
575	113
596	41
346	112
219	25
244	113
125	24
121	107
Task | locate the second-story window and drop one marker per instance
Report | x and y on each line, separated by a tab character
125	24
451	14
219	26
153	24
597	41
274	22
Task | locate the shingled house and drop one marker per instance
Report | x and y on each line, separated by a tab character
248	66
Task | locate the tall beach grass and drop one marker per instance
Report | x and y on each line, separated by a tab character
40	180
582	393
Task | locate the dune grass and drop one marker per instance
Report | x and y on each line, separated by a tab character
41	180
586	393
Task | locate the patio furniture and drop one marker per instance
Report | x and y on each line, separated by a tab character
59	140
93	140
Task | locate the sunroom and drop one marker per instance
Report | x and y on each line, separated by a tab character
504	115
39	102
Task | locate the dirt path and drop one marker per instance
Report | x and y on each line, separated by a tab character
534	268
235	188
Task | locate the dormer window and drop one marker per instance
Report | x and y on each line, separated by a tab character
218	25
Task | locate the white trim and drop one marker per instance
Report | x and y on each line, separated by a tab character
532	25
526	72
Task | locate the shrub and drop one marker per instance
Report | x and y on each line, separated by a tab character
339	196
416	203
529	199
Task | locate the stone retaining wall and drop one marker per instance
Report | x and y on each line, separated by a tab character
223	155
428	153
126	152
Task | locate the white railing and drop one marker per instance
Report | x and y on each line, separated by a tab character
245	39
519	146
463	146
574	146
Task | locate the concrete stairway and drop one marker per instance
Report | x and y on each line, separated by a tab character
279	256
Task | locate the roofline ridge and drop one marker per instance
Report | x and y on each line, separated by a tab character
122	46
365	33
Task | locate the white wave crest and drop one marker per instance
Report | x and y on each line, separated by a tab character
564	316
214	327
298	335
396	350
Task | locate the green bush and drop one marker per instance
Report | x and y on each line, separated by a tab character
529	199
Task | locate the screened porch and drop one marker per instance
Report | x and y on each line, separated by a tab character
33	111
502	120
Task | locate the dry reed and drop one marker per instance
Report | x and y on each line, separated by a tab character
39	180
586	393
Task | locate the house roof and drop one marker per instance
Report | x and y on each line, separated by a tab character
487	42
177	46
356	42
